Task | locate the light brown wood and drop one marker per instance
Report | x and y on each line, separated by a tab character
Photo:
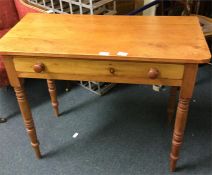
161	50
154	73
38	67
98	67
182	112
112	79
23	103
149	38
122	70
27	117
11	72
53	95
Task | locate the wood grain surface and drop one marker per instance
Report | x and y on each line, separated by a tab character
155	39
99	70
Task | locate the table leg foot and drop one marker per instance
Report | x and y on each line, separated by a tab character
28	120
37	150
173	162
53	95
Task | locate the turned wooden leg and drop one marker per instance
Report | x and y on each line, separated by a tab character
53	95
182	112
28	120
172	103
180	123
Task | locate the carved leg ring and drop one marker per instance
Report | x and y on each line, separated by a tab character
53	95
172	103
28	120
181	118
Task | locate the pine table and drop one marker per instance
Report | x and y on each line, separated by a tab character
119	49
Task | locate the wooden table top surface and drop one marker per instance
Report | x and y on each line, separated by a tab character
143	38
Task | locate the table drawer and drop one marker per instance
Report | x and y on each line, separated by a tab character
94	68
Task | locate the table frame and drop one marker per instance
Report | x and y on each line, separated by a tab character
186	90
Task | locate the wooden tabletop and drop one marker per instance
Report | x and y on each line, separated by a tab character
156	39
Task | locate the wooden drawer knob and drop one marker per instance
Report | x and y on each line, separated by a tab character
39	67
153	73
112	70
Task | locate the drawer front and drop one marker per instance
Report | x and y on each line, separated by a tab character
94	68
